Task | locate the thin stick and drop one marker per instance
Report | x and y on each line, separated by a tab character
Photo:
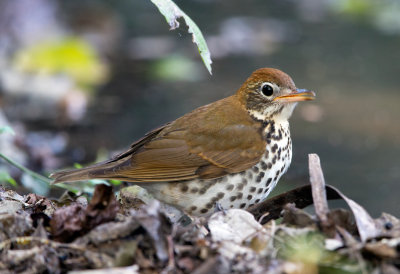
318	188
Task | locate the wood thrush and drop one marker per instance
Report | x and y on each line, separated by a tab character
231	152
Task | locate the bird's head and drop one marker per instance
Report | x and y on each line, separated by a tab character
271	94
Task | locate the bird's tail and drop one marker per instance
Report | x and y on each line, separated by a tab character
70	175
106	170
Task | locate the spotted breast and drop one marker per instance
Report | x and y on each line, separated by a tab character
240	190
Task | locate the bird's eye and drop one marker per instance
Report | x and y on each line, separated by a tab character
267	89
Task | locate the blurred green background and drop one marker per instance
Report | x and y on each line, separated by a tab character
80	80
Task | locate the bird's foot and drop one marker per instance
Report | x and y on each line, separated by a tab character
218	208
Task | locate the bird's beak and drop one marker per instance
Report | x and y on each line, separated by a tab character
296	96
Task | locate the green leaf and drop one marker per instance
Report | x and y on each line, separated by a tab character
7	129
77	165
115	182
172	13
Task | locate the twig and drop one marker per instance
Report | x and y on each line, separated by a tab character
29	239
300	196
318	189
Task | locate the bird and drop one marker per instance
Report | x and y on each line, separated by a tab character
230	153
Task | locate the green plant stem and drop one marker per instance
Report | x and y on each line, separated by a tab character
36	175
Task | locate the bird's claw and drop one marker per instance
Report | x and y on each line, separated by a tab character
218	208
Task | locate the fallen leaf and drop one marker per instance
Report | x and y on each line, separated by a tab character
389	225
297	217
366	226
40	204
157	226
381	250
74	220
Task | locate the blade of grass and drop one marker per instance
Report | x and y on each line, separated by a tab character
36	175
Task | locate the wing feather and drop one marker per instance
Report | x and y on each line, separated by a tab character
211	141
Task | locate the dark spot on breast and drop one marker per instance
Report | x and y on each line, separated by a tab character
240	195
229	187
274	160
259	177
266	123
184	188
250	175
255	169
233	198
266	190
253	189
268	141
263	165
277	172
274	148
260	190
193	208
207	185
243	205
250	205
272	128
269	165
220	195
204	210
249	197
266	154
282	168
278	137
194	190
268	181
240	186
256	201
244	181
214	199
209	205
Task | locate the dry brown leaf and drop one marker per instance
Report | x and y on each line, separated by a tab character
72	221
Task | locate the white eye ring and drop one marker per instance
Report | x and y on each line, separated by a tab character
267	89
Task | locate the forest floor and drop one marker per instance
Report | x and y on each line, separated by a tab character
110	234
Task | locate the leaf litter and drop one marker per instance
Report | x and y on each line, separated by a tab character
130	235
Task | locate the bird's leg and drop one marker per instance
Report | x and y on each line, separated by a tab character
218	207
